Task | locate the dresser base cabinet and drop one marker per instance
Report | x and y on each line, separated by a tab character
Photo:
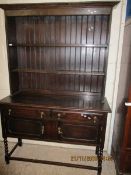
63	124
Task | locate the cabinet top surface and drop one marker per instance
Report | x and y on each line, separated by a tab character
75	103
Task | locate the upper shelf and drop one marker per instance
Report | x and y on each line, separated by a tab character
57	45
59	72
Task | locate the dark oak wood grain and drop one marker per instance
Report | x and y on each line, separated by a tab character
57	5
73	47
57	56
57	101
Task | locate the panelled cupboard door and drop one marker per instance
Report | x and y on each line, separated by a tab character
81	133
24	127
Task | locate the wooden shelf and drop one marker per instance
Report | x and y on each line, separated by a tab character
58	45
91	95
58	72
58	53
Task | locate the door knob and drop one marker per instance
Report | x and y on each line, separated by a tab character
127	103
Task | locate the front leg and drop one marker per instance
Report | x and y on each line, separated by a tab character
100	157
97	148
6	151
19	141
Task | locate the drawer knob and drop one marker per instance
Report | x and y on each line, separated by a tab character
89	118
9	112
42	115
42	129
84	115
60	131
59	115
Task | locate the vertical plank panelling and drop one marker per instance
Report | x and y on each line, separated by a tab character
40	30
67	38
105	29
62	49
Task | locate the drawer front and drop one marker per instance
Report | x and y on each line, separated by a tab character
89	118
26	113
24	127
73	132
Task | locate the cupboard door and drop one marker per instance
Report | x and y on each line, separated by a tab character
79	133
25	127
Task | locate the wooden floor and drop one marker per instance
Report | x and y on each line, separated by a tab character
52	153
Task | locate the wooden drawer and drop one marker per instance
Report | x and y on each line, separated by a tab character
24	127
77	132
26	113
89	118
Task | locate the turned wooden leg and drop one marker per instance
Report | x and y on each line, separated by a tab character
100	157
97	147
6	151
19	141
